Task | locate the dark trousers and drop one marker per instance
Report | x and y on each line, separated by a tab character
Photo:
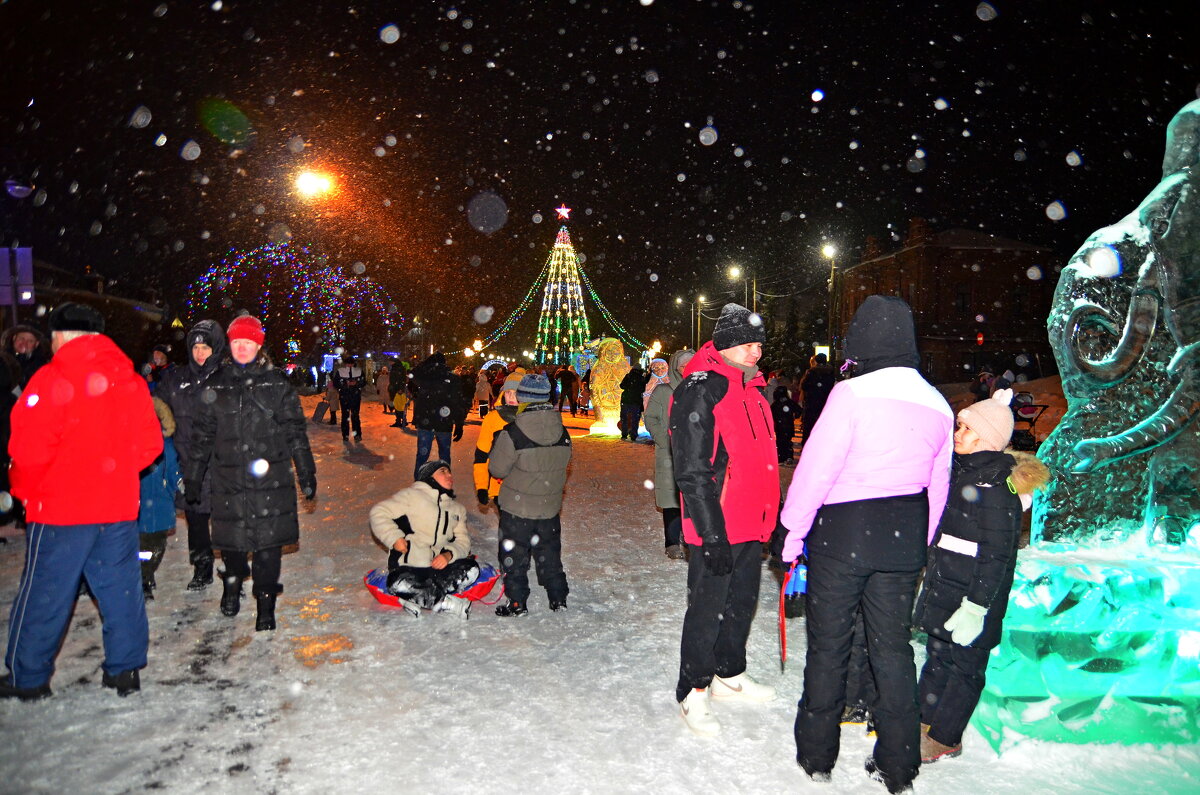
631	415
717	623
56	556
860	684
571	395
199	539
351	404
951	681
266	568
836	591
672	527
425	441
426	586
155	545
541	539
783	447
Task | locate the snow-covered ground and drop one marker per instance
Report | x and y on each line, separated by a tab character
351	696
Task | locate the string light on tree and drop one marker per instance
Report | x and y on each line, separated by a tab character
563	325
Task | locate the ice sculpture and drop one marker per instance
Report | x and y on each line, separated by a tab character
1102	638
607	372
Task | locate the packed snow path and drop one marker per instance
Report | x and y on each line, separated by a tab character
348	695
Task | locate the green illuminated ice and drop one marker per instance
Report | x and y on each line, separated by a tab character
1102	638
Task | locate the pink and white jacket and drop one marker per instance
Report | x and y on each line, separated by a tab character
884	434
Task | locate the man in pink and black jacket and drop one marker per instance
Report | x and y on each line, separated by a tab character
864	504
723	452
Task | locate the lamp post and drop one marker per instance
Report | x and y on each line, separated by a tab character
696	306
749	287
830	253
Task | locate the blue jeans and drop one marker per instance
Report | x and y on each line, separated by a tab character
56	556
425	446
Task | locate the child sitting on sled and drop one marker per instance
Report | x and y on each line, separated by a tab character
425	528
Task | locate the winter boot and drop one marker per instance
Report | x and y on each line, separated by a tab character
333	418
558	604
675	552
512	608
231	598
894	785
148	586
265	622
124	683
932	750
741	688
202	571
454	606
7	690
697	714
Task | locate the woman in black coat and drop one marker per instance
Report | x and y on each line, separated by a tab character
251	432
181	388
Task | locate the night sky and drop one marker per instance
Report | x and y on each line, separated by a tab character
833	121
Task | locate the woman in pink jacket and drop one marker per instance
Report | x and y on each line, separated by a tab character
863	504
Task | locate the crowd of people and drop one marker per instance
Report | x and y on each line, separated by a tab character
889	484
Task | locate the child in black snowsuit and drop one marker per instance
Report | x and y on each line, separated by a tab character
784	413
970	571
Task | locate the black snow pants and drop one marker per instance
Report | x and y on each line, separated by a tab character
267	563
672	527
541	539
426	586
717	623
836	590
951	681
351	405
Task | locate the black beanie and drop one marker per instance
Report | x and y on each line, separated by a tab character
425	474
75	317
736	326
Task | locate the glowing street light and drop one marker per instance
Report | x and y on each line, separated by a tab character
737	273
311	184
477	345
830	253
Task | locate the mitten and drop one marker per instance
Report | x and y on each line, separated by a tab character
482	496
718	558
458	432
967	622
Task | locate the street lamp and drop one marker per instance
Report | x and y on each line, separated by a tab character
830	253
311	184
749	281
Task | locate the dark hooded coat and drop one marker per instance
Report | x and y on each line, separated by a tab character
438	400
182	390
250	433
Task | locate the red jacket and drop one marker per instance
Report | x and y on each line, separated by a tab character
723	450
81	432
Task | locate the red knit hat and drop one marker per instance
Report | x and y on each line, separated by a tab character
246	327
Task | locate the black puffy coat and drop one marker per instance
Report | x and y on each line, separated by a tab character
251	432
438	399
181	389
982	508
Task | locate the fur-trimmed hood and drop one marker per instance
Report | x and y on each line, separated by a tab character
1029	474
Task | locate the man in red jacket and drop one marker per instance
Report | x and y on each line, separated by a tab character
723	450
81	432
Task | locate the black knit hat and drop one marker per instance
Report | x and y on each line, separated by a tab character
736	326
426	471
75	317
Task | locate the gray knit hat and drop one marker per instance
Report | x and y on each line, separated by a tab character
736	326
534	388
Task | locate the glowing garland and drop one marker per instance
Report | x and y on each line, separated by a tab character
293	285
620	330
562	326
503	328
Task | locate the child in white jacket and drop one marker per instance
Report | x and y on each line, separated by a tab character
425	529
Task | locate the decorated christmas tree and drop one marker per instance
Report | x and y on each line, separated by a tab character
563	325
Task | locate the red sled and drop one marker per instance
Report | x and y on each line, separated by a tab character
376	582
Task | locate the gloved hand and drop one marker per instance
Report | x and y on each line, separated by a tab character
718	557
458	432
310	489
191	493
482	496
967	622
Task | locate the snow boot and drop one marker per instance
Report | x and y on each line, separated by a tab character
558	604
124	683
202	571
7	690
231	598
454	606
265	622
932	750
148	586
741	688
675	552
697	714
856	715
512	608
894	785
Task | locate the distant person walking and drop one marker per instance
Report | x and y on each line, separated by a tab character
76	454
348	380
438	408
658	423
815	387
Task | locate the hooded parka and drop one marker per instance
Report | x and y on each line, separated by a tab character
658	422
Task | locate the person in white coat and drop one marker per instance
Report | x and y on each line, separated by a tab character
425	530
